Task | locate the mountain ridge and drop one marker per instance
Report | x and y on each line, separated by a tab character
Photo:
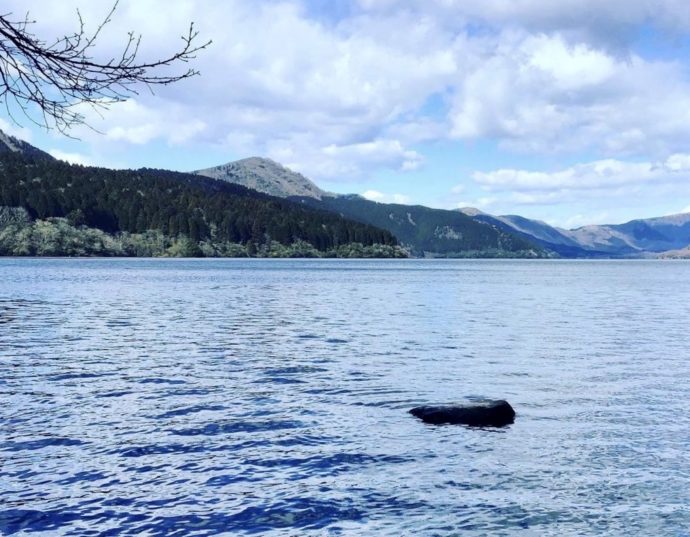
429	232
448	235
638	237
11	144
424	231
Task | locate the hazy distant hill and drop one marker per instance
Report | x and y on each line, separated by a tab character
634	238
644	235
266	176
683	253
553	239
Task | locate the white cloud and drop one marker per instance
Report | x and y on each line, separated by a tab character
678	163
590	189
72	158
602	174
587	219
341	100
375	195
479	203
138	123
139	134
380	152
570	68
21	133
607	22
276	81
537	93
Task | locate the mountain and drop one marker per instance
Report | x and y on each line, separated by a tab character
222	211
643	235
164	212
424	231
552	239
631	239
683	253
431	232
266	176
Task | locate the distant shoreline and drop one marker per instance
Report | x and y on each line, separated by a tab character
323	258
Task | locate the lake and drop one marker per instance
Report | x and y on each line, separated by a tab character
210	397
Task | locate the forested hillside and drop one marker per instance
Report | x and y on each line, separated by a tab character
433	232
174	205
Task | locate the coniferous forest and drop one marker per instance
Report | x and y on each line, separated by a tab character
427	231
158	212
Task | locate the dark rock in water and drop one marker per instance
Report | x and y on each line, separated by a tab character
489	414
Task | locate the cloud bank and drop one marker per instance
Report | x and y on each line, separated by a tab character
344	95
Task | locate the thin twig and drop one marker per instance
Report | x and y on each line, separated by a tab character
56	77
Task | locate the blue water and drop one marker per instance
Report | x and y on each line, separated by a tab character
199	397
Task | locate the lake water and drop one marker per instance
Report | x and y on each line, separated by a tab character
207	397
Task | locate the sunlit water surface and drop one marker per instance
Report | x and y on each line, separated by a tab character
198	397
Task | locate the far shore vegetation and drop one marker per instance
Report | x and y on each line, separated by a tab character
51	208
65	238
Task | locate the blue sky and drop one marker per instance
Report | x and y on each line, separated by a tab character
573	112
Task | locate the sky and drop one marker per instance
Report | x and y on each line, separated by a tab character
573	112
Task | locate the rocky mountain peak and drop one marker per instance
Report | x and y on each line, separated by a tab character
470	211
265	175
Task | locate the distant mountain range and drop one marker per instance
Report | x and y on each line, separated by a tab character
637	238
423	230
256	206
468	231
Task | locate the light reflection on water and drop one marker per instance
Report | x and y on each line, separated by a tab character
198	397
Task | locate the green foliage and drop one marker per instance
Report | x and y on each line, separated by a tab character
196	214
58	237
55	237
431	232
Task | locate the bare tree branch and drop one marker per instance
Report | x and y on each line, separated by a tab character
54	78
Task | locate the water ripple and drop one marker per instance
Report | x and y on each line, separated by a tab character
32	445
199	397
